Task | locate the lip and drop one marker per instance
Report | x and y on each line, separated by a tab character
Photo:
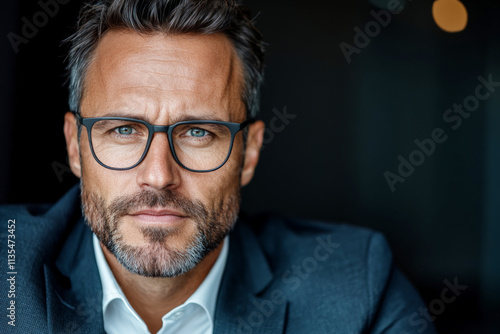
158	216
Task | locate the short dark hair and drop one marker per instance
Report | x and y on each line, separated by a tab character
168	16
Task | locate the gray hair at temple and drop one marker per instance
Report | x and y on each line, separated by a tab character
170	17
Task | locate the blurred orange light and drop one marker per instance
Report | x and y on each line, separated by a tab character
450	15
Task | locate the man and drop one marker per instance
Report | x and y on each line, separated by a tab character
162	136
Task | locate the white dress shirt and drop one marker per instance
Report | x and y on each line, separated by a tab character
195	316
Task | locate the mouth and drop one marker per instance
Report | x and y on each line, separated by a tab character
160	216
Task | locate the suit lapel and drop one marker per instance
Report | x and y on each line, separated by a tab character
244	303
73	287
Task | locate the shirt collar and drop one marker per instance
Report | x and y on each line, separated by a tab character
204	296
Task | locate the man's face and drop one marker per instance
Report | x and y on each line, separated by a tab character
159	219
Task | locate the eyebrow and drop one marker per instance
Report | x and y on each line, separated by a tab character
181	118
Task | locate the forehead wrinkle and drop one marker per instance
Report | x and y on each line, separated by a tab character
189	75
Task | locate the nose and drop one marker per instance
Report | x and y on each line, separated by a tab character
158	170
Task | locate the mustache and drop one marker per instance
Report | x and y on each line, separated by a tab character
148	199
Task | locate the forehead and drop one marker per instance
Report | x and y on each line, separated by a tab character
164	78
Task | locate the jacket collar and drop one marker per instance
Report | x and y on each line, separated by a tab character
73	286
74	290
243	303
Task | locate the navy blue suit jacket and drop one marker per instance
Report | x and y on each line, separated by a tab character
281	276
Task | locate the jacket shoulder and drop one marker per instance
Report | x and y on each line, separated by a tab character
340	269
39	223
288	239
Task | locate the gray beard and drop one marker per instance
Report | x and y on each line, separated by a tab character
157	258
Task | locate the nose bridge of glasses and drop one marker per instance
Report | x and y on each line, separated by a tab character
159	146
160	128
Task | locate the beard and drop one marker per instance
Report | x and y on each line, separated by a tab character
157	258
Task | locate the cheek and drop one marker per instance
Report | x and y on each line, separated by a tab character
213	186
230	174
107	183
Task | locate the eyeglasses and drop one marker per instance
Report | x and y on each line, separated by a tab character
120	143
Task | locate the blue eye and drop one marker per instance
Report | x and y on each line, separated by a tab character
197	132
125	130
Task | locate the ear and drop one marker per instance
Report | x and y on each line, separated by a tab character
71	135
252	152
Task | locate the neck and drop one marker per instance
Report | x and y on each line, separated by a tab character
152	298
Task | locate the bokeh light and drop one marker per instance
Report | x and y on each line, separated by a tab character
450	15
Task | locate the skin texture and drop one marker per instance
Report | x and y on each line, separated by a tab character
164	79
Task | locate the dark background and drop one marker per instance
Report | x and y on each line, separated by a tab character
352	122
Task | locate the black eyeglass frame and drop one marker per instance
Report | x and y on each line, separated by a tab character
234	128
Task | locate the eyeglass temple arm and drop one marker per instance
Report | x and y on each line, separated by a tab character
247	123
